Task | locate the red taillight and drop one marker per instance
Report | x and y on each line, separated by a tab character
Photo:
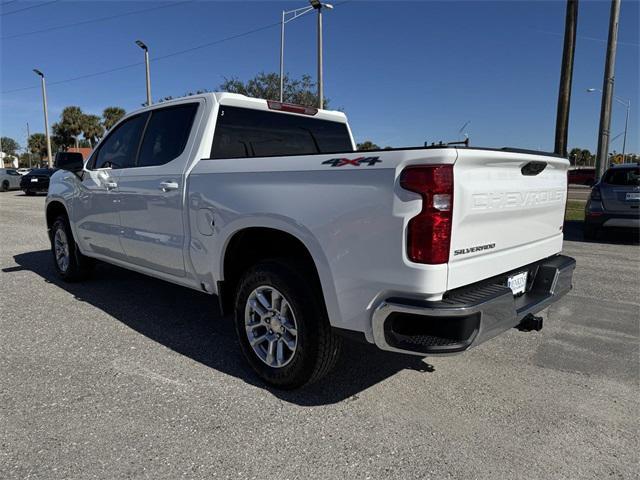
429	232
291	107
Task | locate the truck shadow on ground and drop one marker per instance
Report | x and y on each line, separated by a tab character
616	236
189	323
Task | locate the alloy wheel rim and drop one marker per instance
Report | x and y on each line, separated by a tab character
270	325
61	249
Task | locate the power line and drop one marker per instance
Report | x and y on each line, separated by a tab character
94	20
161	57
28	8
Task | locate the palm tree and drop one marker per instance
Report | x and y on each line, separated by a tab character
92	129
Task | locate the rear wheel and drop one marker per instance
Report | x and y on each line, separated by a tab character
70	264
5	186
28	193
282	325
590	232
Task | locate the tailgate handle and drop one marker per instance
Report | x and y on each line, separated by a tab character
533	168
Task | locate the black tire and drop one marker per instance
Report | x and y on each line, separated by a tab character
78	266
29	193
589	232
318	347
5	186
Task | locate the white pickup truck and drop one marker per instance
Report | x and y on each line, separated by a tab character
268	206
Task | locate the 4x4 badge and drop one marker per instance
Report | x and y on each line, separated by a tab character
356	162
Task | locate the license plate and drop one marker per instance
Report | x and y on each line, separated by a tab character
518	282
633	196
34	179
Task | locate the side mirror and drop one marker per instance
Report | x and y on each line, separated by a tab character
71	161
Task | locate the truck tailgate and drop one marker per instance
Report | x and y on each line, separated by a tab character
508	211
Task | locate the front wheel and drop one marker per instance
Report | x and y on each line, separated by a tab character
282	325
70	264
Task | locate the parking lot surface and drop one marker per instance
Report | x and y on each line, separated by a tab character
124	376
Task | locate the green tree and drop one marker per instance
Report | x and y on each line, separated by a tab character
37	145
69	127
367	145
9	146
92	129
586	157
574	155
300	91
111	116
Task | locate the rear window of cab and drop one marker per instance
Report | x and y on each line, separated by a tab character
245	133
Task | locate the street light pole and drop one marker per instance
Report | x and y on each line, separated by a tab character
318	5
146	64
46	117
293	14
282	57
624	139
627	105
28	149
320	79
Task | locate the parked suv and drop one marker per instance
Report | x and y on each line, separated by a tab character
615	200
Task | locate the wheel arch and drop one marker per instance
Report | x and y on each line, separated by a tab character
54	209
249	245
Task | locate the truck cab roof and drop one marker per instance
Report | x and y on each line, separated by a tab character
243	101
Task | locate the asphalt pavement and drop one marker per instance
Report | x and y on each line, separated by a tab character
124	376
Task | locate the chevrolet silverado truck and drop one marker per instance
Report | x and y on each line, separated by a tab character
268	206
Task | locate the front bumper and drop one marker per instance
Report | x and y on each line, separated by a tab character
468	316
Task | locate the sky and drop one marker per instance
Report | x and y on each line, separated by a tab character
403	72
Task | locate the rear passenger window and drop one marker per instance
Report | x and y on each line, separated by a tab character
242	132
166	135
120	147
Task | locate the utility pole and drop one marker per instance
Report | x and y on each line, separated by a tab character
46	117
607	90
566	75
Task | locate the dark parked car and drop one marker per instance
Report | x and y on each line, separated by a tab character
614	200
582	176
37	180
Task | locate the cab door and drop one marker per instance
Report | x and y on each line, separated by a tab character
96	209
151	192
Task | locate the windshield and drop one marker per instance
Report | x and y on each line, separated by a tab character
623	176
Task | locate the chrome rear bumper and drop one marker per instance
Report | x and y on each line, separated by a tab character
471	315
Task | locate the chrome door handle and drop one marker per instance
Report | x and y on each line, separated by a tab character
167	186
110	185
